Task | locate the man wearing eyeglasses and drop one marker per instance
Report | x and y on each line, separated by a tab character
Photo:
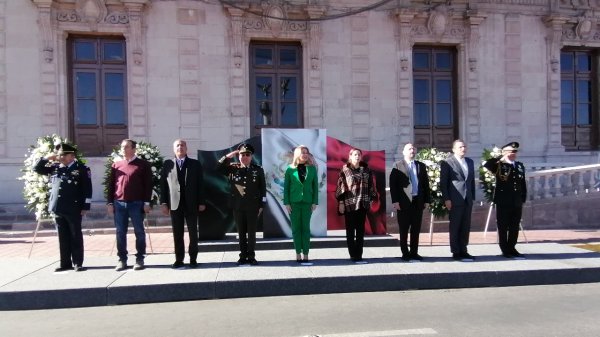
70	198
248	197
509	196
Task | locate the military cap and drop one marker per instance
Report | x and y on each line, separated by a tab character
65	148
512	146
245	148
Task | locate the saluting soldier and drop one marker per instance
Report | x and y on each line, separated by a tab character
70	198
248	197
509	196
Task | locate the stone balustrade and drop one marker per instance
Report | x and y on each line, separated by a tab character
560	182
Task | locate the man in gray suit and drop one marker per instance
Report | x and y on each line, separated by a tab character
458	191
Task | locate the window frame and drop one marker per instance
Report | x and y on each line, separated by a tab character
434	134
277	72
100	138
578	136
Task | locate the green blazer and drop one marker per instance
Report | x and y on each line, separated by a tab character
295	191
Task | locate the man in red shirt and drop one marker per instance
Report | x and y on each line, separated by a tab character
129	194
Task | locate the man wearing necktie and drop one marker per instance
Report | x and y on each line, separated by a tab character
457	184
509	196
409	190
181	196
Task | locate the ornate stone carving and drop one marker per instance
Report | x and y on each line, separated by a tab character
295	26
275	25
404	64
45	24
67	16
438	21
92	11
554	64
254	24
135	28
585	25
117	18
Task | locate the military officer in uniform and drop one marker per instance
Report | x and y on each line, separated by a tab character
70	199
509	196
248	197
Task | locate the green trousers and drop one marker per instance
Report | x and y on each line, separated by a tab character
300	217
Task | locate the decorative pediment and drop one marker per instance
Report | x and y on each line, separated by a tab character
438	21
581	28
92	11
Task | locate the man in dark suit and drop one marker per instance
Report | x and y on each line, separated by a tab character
181	196
70	198
509	196
409	189
457	183
248	197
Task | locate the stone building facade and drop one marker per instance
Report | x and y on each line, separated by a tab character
492	71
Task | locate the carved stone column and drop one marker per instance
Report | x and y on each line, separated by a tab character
51	114
513	102
314	99
138	108
404	76
360	92
554	33
239	98
470	72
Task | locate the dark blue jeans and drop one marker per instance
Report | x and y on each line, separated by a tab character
134	210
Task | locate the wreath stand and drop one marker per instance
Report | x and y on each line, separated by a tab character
146	228
37	228
487	223
431	223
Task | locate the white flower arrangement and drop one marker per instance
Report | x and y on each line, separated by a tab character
149	153
432	157
37	187
487	179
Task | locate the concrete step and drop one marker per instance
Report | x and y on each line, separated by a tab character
27	284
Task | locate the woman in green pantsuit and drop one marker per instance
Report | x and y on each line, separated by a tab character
301	197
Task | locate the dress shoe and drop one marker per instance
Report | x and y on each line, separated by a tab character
242	261
193	264
59	269
466	257
139	265
456	257
121	265
177	265
507	255
405	258
517	255
416	257
252	261
79	268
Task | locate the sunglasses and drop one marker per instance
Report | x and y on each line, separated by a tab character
511	151
245	154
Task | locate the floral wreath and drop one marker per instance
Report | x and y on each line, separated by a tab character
432	157
487	179
143	150
37	186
